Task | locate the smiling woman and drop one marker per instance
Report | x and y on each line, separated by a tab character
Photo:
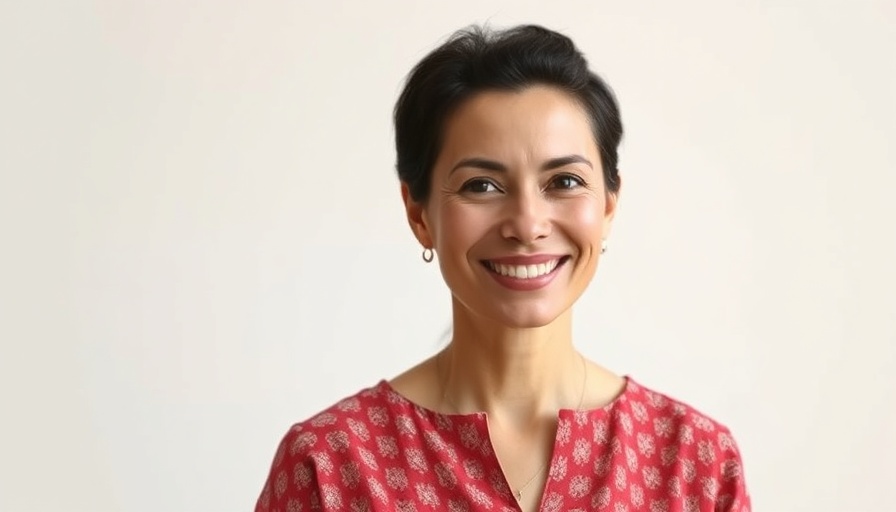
507	157
514	190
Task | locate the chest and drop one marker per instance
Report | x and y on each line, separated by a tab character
590	466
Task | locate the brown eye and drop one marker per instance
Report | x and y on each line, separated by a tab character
566	182
479	186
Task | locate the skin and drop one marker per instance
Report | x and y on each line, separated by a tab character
519	173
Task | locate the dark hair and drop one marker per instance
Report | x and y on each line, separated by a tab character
478	59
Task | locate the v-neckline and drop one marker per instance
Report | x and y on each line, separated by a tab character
565	419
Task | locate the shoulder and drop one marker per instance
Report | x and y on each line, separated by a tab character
676	423
354	417
698	452
314	451
670	414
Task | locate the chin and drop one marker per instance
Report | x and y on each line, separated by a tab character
527	318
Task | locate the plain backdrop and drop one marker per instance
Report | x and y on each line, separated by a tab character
203	240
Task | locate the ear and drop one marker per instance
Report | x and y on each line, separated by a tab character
612	201
416	214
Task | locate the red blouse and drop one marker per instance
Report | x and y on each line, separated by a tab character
378	451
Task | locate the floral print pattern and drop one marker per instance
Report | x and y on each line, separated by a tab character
378	451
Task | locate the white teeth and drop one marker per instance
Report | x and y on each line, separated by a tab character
524	271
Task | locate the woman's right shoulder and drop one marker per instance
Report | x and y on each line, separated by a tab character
314	448
354	418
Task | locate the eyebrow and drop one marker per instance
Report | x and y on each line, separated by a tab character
492	165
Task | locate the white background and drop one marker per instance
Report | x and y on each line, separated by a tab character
203	241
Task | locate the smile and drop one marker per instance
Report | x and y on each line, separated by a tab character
523	271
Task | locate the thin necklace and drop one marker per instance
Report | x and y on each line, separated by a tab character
518	494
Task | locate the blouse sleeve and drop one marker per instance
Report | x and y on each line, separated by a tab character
291	484
732	495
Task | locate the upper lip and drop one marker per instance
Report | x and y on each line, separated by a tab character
533	259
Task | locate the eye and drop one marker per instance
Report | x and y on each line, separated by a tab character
566	182
479	186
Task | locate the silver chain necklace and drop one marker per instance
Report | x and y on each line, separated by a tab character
518	493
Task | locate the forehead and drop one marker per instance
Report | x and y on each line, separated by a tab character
536	122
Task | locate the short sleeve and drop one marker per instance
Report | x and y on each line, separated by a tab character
732	492
291	485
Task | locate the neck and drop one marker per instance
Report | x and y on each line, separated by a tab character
516	375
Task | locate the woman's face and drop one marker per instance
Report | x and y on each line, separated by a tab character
518	207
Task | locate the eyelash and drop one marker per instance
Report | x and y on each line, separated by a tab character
469	185
579	182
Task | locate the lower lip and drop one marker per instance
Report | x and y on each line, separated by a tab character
525	285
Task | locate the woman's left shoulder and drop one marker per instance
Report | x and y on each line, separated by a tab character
670	416
687	442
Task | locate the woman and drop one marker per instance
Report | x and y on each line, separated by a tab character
507	157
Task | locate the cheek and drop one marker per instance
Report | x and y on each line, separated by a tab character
460	226
585	217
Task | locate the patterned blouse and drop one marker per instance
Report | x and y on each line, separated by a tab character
378	451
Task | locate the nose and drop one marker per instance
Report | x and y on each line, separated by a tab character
527	217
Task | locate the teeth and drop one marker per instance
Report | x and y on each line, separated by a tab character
524	271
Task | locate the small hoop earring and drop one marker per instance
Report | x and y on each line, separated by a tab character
428	254
603	245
